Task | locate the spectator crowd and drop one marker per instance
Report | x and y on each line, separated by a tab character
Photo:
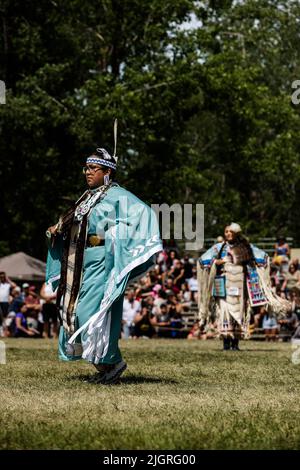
158	305
26	311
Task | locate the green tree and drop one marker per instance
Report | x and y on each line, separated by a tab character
205	113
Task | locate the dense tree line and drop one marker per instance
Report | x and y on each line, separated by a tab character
205	112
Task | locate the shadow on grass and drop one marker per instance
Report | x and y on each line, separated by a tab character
138	379
257	350
129	379
242	350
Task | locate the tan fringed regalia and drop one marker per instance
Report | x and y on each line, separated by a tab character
227	294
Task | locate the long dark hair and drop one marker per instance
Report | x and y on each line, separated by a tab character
243	249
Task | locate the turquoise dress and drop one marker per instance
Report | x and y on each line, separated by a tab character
132	240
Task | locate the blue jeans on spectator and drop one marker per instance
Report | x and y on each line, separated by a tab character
127	330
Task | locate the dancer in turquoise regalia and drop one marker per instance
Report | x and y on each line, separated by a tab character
106	239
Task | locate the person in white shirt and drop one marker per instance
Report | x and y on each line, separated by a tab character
193	285
5	285
131	307
49	310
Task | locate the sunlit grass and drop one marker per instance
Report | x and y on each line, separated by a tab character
175	394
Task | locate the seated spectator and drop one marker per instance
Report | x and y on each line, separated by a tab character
33	321
145	287
296	263
149	281
32	300
282	248
177	273
148	302
155	291
291	280
172	257
9	323
275	276
16	300
188	268
270	326
210	331
186	293
193	286
161	261
176	324
184	305
163	322
295	300
161	299
289	323
259	313
195	332
169	286
173	305
279	265
21	328
144	323
131	307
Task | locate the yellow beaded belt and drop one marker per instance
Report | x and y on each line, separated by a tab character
94	240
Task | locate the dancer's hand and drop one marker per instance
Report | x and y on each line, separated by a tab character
52	232
52	229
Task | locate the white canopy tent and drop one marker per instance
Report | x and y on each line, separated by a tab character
20	266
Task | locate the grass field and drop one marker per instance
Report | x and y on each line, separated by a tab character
175	395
